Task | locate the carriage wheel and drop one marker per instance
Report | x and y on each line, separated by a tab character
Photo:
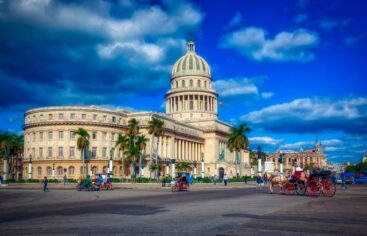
312	188
301	189
328	188
289	188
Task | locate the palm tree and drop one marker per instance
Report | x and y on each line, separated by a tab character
82	144
183	166
141	143
5	145
237	140
11	146
155	128
122	144
133	127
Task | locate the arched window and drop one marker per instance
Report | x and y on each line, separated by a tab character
59	170
94	170
199	83
39	171
191	83
82	170
71	170
183	83
49	170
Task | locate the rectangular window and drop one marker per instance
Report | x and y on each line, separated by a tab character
113	136
49	152
61	116
50	116
72	135
94	152
191	105
104	118
61	135
49	135
72	151
40	152
94	135
61	151
72	116
104	152
34	137
41	136
94	116
104	136
113	119
84	116
33	152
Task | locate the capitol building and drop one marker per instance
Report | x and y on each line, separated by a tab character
192	132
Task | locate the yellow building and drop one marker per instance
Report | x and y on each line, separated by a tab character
192	132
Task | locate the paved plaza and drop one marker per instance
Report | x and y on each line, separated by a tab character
204	210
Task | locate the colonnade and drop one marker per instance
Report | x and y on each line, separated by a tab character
179	149
191	102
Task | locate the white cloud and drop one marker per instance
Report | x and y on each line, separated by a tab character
300	18
331	24
267	95
265	140
236	20
285	46
233	87
308	115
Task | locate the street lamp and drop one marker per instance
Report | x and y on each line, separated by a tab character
280	160
167	166
110	167
259	159
30	167
53	170
195	166
202	165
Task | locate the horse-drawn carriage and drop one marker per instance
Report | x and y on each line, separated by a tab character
316	184
182	182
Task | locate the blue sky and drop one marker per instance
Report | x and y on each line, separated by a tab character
293	71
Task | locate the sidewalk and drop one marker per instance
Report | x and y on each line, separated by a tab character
149	186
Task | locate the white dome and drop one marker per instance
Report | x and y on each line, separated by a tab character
191	64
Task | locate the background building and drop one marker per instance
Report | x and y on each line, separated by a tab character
192	132
313	158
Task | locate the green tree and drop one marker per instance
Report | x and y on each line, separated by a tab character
142	144
11	147
122	144
82	144
237	141
183	166
155	128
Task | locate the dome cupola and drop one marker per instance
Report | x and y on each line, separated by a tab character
191	63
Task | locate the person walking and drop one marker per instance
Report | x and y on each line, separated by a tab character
344	185
45	184
245	179
266	180
1	179
164	181
225	179
65	178
259	181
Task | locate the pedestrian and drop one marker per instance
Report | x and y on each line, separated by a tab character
266	180
1	179
225	179
259	181
344	185
45	184
164	181
245	179
65	178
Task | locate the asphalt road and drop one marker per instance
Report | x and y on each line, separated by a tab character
199	212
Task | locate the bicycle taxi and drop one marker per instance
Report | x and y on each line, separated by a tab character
182	182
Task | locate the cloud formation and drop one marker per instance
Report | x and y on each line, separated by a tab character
313	115
255	44
60	52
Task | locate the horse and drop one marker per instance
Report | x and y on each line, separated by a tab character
276	179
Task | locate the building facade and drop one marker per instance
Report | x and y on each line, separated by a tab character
314	157
192	131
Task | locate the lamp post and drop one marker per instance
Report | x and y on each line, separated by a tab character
259	159
202	165
195	165
30	167
281	162
110	166
167	166
53	170
173	168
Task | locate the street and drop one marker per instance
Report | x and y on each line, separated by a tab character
156	211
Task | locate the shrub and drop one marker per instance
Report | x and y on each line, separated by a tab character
33	181
72	181
53	181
